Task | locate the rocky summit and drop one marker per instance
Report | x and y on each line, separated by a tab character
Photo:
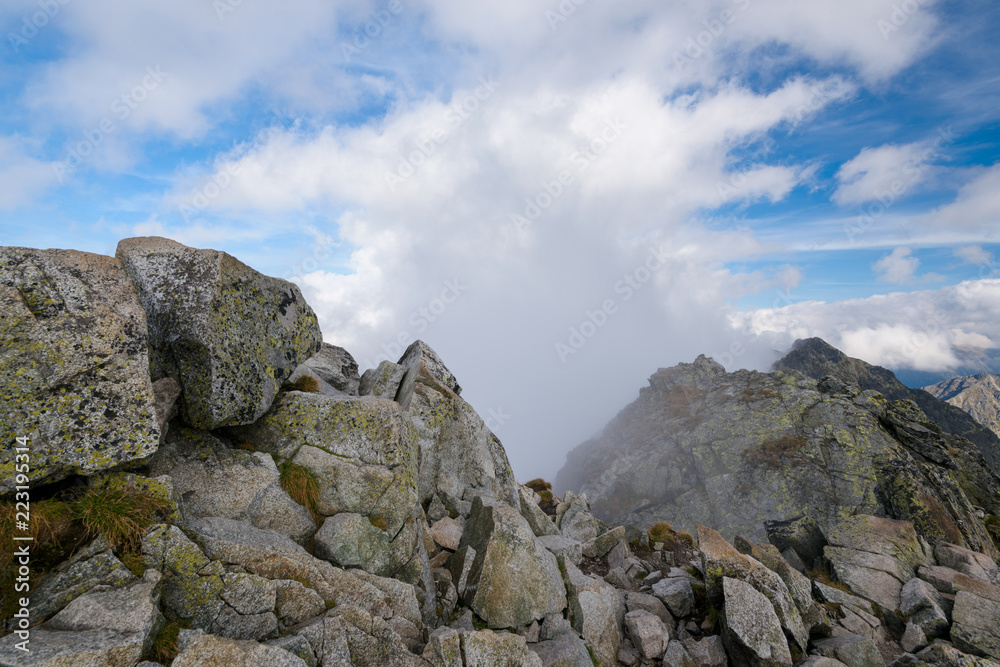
979	395
211	485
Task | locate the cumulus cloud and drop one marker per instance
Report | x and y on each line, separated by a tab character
973	254
883	173
925	330
977	205
898	267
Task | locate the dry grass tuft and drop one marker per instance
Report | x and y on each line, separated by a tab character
302	486
305	383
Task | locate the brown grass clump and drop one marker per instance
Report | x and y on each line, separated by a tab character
120	515
538	485
679	401
302	486
305	383
661	532
165	647
775	453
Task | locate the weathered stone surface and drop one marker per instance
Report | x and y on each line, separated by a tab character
227	333
602	544
79	649
217	480
166	391
647	632
513	579
566	650
976	625
925	608
383	381
362	451
211	651
751	631
95	565
940	654
370	641
913	638
294	603
596	611
635	601
488	649
677	655
853	650
941	578
732	450
131	611
799	586
577	522
297	646
677	594
447	532
708	652
720	560
335	366
801	534
191	584
968	562
444	648
460	458
540	522
74	357
350	540
563	546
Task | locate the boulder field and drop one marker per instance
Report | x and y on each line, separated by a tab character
308	514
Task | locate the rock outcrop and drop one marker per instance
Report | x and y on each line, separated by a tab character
326	518
979	395
732	450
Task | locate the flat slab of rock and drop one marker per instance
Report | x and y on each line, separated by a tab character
230	335
751	631
976	625
563	546
74	354
211	651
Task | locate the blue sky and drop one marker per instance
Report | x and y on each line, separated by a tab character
600	189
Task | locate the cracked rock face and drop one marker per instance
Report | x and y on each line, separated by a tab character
228	334
73	354
733	450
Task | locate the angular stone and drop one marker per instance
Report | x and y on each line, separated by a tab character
852	650
294	603
513	579
751	630
940	654
872	576
335	366
566	650
677	655
74	355
596	611
563	546
192	584
383	381
447	533
968	562
913	639
362	451
708	652
925	608
249	593
964	582
297	646
95	565
577	521
444	648
217	480
941	578
635	601
488	649
647	632
227	333
602	544
802	535
211	651
350	540
877	535
540	522
84	648
720	560
976	625
677	594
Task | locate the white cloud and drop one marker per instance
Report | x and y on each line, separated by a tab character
22	177
884	173
976	207
973	254
926	330
898	267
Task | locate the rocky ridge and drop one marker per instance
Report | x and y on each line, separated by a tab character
417	546
979	395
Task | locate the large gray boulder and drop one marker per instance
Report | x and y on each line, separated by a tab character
596	611
228	334
976	625
335	366
203	650
513	579
94	565
217	480
74	357
460	458
348	635
751	630
566	650
362	451
485	648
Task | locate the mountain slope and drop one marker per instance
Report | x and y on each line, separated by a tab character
732	450
817	358
978	395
